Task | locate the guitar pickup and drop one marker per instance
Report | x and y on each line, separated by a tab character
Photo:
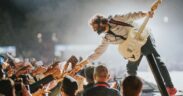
129	50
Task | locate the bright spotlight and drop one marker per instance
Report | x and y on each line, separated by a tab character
165	19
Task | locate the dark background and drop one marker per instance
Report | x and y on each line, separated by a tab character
66	22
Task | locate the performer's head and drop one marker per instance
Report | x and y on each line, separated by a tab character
99	23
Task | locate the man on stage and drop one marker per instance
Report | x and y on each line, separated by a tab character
114	30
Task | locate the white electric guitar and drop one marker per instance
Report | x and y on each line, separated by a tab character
131	48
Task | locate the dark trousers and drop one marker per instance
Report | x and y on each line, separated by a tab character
149	48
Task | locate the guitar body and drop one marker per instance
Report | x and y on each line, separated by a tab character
131	48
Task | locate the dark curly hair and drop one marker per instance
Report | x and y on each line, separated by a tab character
97	19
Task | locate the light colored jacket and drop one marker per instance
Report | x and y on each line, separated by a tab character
118	30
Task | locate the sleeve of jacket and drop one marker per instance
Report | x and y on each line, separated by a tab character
98	51
35	86
130	16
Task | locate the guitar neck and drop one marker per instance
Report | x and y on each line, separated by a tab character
153	8
142	27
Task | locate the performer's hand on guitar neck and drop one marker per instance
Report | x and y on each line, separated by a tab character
150	14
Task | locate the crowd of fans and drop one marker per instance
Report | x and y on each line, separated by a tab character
32	78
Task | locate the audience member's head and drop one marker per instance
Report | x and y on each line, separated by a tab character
69	86
7	87
132	86
101	74
88	74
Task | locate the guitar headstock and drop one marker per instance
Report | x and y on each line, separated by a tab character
155	5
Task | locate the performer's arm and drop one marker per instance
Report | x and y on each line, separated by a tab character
96	54
131	16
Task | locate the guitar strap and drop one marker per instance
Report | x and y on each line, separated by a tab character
112	33
120	23
112	21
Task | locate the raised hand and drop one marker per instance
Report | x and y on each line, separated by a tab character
73	60
39	70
